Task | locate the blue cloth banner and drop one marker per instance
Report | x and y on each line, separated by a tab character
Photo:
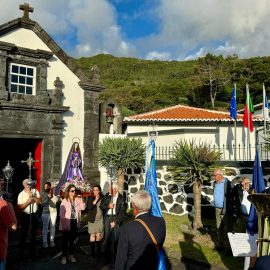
266	105
233	111
151	187
259	187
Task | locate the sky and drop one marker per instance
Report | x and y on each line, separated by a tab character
152	29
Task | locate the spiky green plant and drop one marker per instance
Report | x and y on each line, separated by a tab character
193	163
123	153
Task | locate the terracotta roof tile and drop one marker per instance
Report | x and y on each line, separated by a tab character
183	113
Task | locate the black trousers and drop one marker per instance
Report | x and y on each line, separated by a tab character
68	239
28	221
111	236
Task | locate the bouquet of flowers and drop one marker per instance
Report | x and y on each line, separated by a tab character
81	185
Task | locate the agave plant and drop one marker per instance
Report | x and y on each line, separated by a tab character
193	163
123	153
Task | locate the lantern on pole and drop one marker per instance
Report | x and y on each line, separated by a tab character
8	173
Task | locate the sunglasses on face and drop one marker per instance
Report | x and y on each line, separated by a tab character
73	190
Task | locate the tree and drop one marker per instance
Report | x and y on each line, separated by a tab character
192	163
123	153
214	74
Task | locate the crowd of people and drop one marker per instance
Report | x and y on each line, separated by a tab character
232	209
108	239
130	245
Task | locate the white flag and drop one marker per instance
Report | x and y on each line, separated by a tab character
265	108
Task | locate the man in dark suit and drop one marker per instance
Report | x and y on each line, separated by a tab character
136	249
241	205
114	207
262	263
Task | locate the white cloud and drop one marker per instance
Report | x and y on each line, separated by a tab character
86	27
158	56
200	53
188	24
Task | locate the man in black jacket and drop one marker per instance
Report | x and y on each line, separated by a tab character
241	205
114	207
136	249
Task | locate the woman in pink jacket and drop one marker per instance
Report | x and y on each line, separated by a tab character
70	215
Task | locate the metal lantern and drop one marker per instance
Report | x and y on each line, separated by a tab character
8	173
111	171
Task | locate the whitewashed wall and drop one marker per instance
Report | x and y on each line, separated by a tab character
215	135
73	94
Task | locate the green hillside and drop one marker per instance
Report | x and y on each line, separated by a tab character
144	85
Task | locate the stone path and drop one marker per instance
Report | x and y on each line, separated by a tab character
49	259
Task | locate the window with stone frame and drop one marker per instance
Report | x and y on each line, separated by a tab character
22	79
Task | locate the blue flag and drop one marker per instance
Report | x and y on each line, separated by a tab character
151	187
259	187
233	111
151	179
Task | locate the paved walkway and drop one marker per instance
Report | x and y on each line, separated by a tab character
49	259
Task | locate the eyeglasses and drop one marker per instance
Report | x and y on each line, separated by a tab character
73	190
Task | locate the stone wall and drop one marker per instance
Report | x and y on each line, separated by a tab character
177	198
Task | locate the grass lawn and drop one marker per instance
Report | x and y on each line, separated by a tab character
195	246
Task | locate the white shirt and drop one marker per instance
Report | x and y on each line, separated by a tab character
113	210
141	213
24	196
245	204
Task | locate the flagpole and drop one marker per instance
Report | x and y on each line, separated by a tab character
248	133
235	138
264	121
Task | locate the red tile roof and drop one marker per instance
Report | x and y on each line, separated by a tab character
183	113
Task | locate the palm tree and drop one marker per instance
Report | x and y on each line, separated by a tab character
192	163
123	153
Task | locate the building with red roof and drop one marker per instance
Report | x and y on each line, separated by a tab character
185	122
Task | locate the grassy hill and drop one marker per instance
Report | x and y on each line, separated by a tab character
144	85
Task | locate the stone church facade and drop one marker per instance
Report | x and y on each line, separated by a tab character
46	103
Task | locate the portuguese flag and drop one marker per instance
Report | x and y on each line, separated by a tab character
248	111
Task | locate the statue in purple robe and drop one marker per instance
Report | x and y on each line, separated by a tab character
73	168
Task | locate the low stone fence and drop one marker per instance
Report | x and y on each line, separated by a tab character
177	198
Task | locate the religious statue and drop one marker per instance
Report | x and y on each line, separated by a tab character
109	114
73	168
75	163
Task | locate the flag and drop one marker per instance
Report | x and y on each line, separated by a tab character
233	112
151	179
265	108
248	111
151	187
259	187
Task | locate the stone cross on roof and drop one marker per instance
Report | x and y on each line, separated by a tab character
26	9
